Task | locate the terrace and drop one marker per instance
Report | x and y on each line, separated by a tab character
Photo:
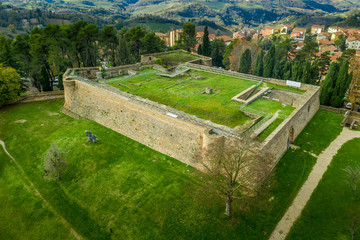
187	92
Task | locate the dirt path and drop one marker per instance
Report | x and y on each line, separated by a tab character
66	223
283	227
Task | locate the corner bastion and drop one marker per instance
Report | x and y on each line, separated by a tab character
168	130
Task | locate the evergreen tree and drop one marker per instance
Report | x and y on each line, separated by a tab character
206	48
279	69
297	71
287	71
218	50
269	62
329	84
259	64
188	37
341	86
123	56
199	51
245	61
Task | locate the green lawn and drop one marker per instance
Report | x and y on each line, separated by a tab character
320	132
264	134
121	184
328	214
23	214
185	93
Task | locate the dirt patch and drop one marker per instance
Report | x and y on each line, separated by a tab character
53	113
21	121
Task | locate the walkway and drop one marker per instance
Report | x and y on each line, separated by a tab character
323	161
66	223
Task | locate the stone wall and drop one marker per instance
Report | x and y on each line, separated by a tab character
177	134
292	126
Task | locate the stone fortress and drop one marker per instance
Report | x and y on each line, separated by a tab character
173	132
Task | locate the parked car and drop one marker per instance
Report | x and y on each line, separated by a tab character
359	109
348	105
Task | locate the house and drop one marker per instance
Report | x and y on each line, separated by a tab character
267	31
174	36
212	37
334	29
164	37
325	42
323	35
328	48
199	36
226	39
285	29
316	29
240	34
335	36
353	43
298	34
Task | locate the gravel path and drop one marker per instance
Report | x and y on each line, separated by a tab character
283	227
66	223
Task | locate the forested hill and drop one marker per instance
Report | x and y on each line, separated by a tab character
226	13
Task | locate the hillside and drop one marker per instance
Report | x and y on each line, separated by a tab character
226	13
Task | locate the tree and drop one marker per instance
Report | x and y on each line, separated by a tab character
228	50
269	62
134	36
206	48
109	42
187	39
10	85
224	163
340	42
329	84
245	61
341	85
151	44
259	64
287	71
353	179
199	50
218	49
123	56
55	163
279	68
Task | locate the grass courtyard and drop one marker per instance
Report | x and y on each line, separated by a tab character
186	93
120	184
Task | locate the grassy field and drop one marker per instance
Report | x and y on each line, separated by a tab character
120	184
332	206
186	93
320	132
175	58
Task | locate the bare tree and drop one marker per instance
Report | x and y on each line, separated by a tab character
231	166
55	163
353	178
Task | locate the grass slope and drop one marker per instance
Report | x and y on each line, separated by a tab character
328	212
120	184
320	132
23	214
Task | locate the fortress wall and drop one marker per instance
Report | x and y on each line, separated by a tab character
174	137
292	126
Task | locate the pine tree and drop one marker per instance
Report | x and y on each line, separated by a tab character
245	61
329	84
340	86
269	62
206	48
259	64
